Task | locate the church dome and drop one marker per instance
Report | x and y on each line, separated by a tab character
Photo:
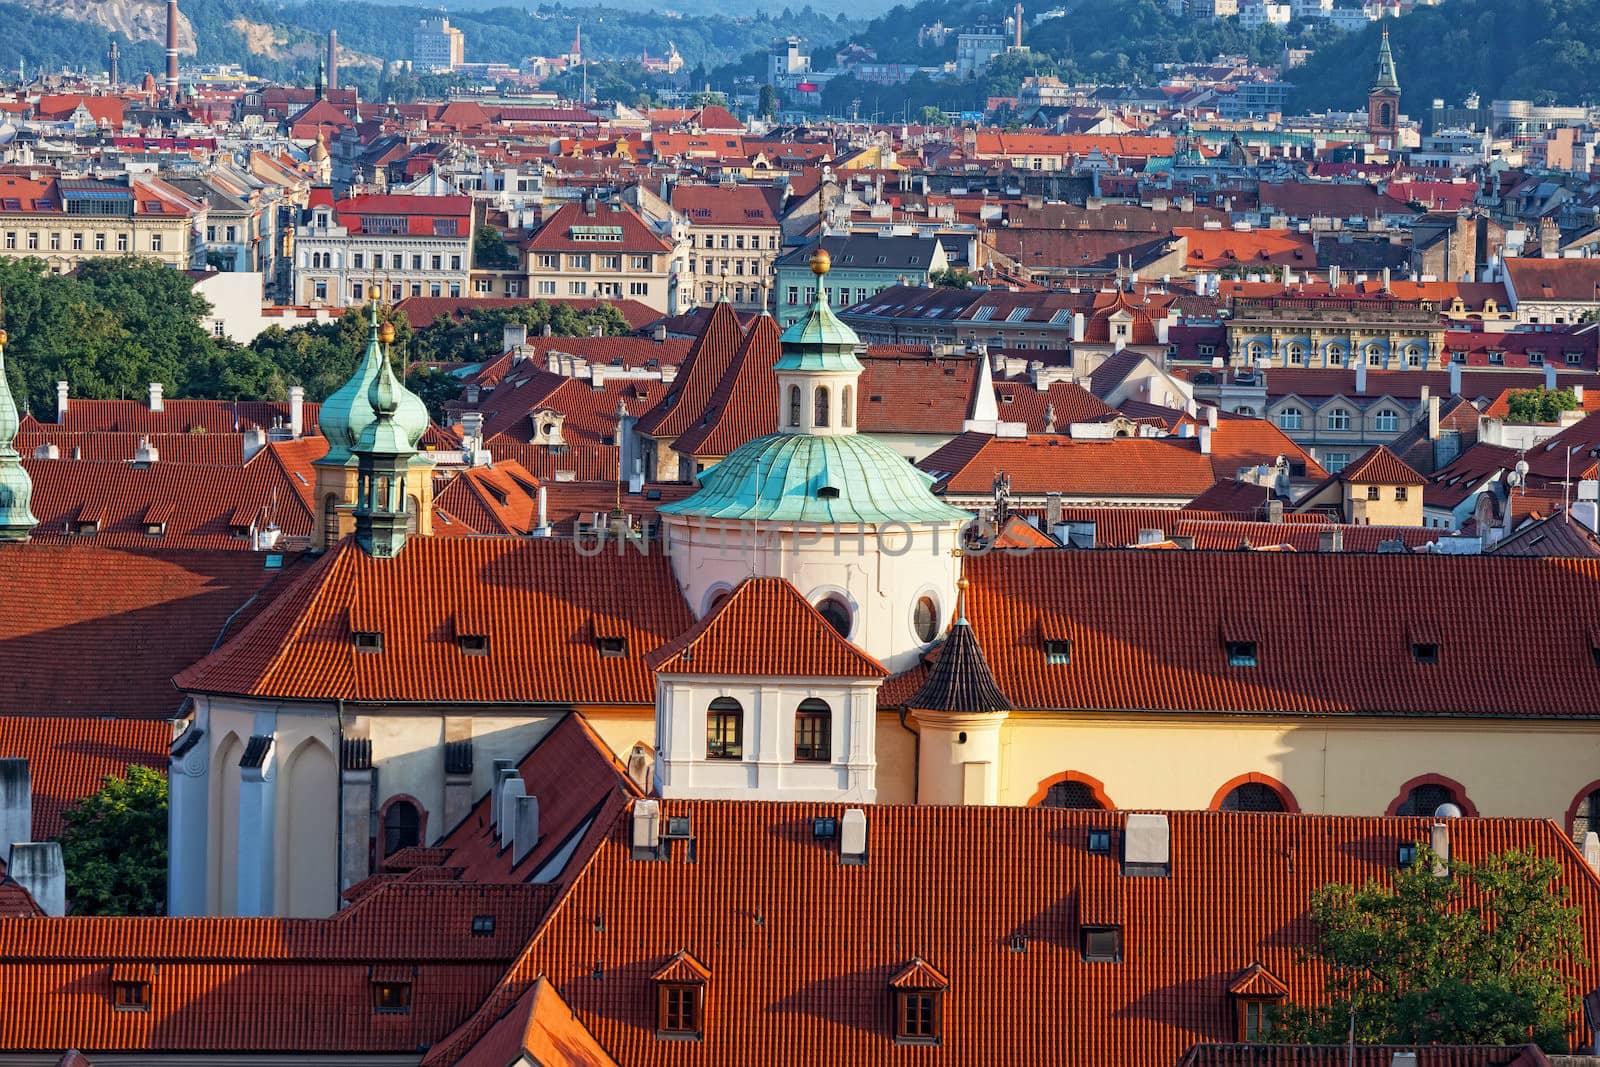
823	479
347	412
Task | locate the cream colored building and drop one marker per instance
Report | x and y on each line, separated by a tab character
600	251
733	238
67	222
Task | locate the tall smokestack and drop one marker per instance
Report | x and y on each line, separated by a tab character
333	61
172	51
1019	27
111	64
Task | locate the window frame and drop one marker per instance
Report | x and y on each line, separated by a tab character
720	712
813	719
1088	931
680	1011
919	1017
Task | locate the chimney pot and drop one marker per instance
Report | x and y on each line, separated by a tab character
62	399
511	788
155	397
297	411
525	827
497	773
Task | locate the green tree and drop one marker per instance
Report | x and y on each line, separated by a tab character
436	388
951	278
1540	405
768	106
1473	955
490	250
115	847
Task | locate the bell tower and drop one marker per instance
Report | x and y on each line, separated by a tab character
1383	100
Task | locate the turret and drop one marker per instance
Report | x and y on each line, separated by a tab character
818	369
959	711
384	456
16	487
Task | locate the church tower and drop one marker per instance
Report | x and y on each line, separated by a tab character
384	455
1383	100
16	487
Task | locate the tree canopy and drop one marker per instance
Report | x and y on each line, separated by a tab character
115	847
1540	405
1450	952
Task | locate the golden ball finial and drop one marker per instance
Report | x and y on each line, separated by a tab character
821	262
4	337
962	585
386	333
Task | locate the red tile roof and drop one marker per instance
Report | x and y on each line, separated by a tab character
907	389
745	403
699	376
1127	658
68	758
742	205
1157	468
1237	893
1227	536
421	311
539	603
1219	1055
176	416
541	1029
736	638
1379	466
100	632
637	236
502	500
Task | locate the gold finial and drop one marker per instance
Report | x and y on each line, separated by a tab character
821	262
4	337
386	333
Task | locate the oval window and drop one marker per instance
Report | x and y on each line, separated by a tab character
837	614
925	619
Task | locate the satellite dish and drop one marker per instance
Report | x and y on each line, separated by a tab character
1522	468
1447	811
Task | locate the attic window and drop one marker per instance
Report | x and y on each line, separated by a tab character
88	526
918	993
1007	398
130	986
612	646
824	828
1406	854
391	998
482	925
155	529
828	492
1425	652
1058	652
367	641
473	644
1102	944
1100	842
1241	653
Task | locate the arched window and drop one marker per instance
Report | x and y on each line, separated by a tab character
413	505
925	619
813	732
794	405
1374	355
1297	354
837	614
1386	421
402	827
1586	814
847	406
1425	799
1252	796
819	407
1413	356
1335	355
1255	350
330	519
1071	794
1385	116
725	729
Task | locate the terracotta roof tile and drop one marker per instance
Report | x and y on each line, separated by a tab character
736	638
699	376
69	758
1157	468
1382	467
745	403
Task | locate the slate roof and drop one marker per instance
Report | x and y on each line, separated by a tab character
959	680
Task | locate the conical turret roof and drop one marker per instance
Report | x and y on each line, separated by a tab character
1386	78
960	679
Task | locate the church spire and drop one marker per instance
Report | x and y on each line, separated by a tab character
1386	78
16	487
383	455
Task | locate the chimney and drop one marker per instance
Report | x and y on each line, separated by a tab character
597	330
1455	378
636	480
543	529
297	411
853	837
1077	326
16	804
1331	540
1205	439
1361	374
514	334
1550	376
1549	238
39	869
1274	510
145	454
497	773
511	788
1052	510
1211	416
597	377
333	61
1433	418
1386	279
1439	841
660	333
255	439
1146	845
524	827
61	400
172	52
547	330
646	828
155	397
1162	325
1577	395
47	451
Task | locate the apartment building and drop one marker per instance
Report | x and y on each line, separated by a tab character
410	245
67	221
734	238
594	250
437	46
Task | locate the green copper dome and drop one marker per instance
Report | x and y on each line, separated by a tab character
806	478
385	435
16	487
348	412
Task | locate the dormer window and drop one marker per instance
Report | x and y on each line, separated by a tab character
483	926
130	986
681	998
1058	652
918	991
1425	653
1257	993
1102	944
391	997
367	641
1241	653
1100	842
473	644
612	646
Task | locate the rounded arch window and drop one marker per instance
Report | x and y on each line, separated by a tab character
836	612
402	827
813	731
725	729
1336	355
718	597
794	405
819	406
1297	354
1071	794
1427	798
847	406
925	619
1586	816
1374	355
1252	796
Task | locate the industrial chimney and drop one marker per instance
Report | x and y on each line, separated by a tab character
1019	27
111	63
172	51
333	62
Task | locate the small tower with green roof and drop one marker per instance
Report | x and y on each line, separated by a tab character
16	487
1383	99
384	457
818	369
